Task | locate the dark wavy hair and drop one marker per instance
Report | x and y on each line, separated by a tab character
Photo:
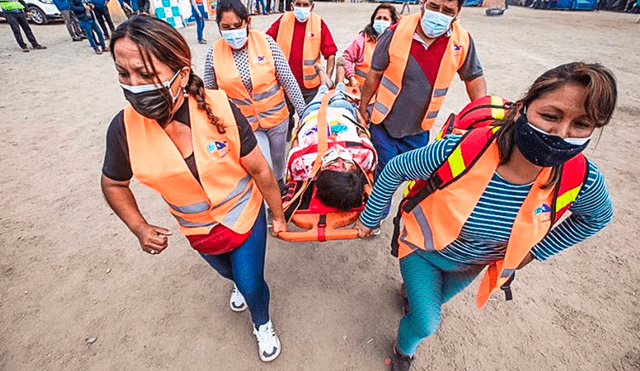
235	6
599	104
368	31
158	38
341	190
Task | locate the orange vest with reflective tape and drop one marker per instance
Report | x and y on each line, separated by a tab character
361	70
226	194
399	49
310	48
456	188
266	107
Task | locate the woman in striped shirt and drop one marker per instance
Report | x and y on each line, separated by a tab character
539	134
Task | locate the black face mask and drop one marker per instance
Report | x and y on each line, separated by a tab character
541	148
151	102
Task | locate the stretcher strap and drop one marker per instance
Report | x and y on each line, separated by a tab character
322	146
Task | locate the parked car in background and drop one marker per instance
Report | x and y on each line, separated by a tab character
41	11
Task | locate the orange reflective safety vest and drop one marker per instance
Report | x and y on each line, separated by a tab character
399	49
361	70
310	49
226	194
435	218
266	107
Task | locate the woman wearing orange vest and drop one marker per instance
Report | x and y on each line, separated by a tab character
199	153
493	195
357	56
250	67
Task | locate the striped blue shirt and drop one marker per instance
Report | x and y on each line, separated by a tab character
484	236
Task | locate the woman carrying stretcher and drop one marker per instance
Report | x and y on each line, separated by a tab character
341	178
493	194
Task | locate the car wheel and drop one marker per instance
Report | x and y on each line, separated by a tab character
37	16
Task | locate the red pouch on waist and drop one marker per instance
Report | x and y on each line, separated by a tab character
220	240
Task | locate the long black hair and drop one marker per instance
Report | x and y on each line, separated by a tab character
235	6
368	31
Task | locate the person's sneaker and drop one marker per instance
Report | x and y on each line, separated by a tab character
98	51
268	342
237	302
202	41
77	38
38	46
400	362
25	49
105	49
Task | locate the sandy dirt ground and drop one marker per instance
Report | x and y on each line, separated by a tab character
77	292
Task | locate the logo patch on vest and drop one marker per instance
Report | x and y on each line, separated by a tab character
312	35
217	149
261	60
543	211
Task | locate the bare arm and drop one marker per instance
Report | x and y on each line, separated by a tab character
368	89
258	168
331	63
152	239
476	88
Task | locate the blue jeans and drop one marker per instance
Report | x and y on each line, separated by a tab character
245	267
389	147
337	101
199	22
260	3
430	280
89	26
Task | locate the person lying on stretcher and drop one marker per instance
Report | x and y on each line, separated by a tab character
350	154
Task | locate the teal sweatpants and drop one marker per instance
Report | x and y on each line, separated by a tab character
430	280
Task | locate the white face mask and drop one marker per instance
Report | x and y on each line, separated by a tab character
574	141
235	38
301	14
435	24
380	26
334	153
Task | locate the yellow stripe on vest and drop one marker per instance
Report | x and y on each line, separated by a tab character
456	162
567	198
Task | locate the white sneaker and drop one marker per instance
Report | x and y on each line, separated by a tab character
268	342
237	302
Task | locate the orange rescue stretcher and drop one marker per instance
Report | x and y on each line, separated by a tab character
317	221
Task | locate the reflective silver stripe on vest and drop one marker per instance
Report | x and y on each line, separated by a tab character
424	226
242	184
251	118
507	273
380	108
241	102
432	115
271	111
232	216
310	62
360	72
187	224
267	93
198	207
393	88
403	237
311	77
440	92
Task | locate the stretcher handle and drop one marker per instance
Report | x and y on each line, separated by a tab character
312	235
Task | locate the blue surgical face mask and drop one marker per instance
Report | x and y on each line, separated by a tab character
435	24
301	14
380	26
235	38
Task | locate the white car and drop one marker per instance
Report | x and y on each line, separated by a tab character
41	11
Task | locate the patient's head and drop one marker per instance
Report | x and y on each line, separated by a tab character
340	189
